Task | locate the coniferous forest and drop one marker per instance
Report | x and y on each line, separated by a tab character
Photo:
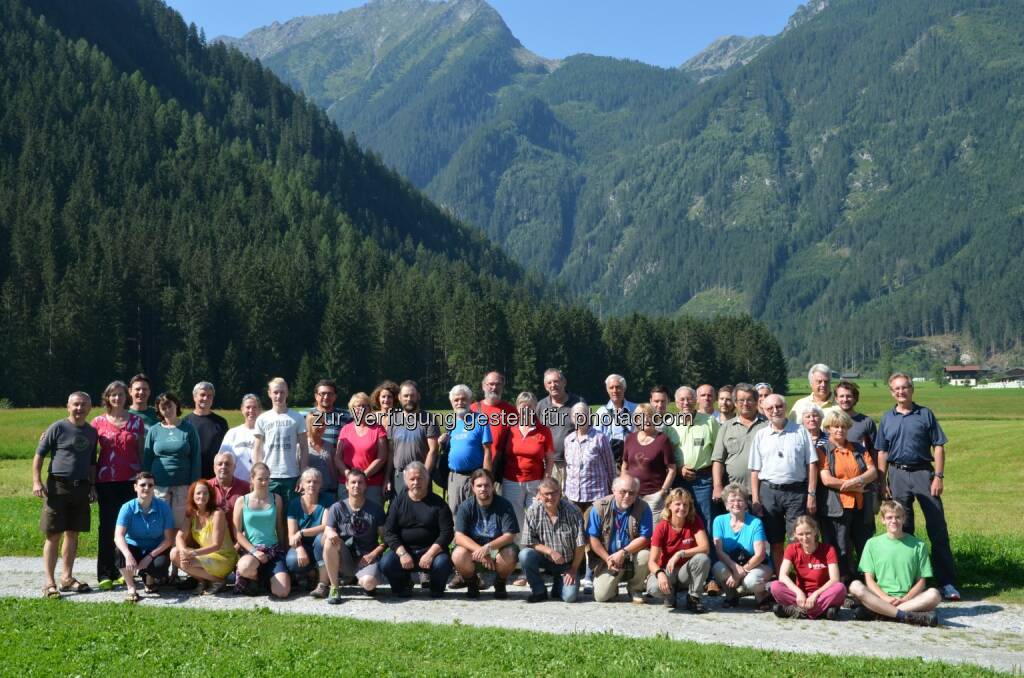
168	205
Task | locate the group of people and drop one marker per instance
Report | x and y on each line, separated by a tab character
696	502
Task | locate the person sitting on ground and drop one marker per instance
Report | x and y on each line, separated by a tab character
352	541
679	553
207	550
144	536
306	518
817	590
553	541
262	536
743	564
895	566
620	529
485	533
418	532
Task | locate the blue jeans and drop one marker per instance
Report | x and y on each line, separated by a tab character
533	562
315	551
399	579
701	488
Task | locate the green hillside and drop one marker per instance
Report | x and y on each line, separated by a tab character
856	180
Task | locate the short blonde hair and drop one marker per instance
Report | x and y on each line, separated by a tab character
277	381
358	399
890	506
836	417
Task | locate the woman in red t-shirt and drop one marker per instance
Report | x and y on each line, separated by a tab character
530	457
817	590
363	445
679	553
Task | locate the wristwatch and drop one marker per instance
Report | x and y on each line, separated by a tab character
940	476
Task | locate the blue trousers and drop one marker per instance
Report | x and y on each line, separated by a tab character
533	562
700	488
399	579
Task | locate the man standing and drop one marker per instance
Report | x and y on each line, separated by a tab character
227	487
693	436
863	430
912	459
418	531
71	444
279	432
658	399
706	399
553	541
139	389
726	406
469	446
620	529
615	418
499	417
326	394
732	445
413	436
820	379
554	410
783	475
485	533
209	426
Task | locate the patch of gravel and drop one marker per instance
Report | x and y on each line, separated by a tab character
982	633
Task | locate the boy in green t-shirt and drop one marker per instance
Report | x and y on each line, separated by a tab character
895	565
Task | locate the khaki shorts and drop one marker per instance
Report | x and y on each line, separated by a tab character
66	507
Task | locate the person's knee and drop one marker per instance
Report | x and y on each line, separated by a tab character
280	586
857	589
175	557
528	558
606	588
930	598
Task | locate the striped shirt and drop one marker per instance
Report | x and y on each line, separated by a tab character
589	466
564	535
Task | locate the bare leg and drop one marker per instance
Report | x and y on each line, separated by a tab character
926	601
67	555
50	548
463	561
865	597
248	566
506	562
332	561
281	585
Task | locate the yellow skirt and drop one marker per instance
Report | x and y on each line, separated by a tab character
219	564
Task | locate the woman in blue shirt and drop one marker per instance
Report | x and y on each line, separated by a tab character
307	516
144	536
743	564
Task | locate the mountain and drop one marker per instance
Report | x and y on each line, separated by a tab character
724	54
172	207
851	184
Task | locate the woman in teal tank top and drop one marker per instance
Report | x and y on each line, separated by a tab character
259	524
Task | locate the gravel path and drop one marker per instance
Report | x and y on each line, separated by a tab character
987	634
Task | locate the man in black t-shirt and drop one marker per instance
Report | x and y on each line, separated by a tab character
210	427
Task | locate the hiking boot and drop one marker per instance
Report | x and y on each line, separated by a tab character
921	618
789	612
864	614
694	604
458	582
500	592
832	613
473	587
334	596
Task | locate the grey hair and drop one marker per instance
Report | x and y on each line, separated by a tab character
226	455
616	377
203	386
415	466
634	482
813	408
554	370
579	407
736	488
80	394
549	483
900	375
819	367
527	397
312	473
693	393
744	386
461	388
251	396
776	395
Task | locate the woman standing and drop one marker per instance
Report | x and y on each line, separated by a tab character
321	457
648	456
206	551
144	536
530	458
240	440
121	438
364	445
262	536
171	454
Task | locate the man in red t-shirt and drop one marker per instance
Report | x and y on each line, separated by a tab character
500	414
227	487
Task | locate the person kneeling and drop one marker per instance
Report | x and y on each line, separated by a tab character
895	565
352	539
485	532
679	553
743	564
205	550
817	589
620	529
553	541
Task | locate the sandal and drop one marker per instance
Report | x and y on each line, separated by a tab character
151	586
75	586
131	597
51	592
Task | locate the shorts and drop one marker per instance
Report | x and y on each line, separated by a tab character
66	506
276	565
176	497
157	569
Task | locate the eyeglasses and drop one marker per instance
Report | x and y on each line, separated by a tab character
625	492
775	407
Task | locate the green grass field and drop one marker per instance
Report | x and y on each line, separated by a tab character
983	477
110	639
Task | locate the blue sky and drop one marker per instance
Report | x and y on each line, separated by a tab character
660	32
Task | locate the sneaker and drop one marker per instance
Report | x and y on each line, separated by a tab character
712	588
922	618
637	598
106	585
119	581
334	597
458	582
537	597
500	592
862	613
694	604
473	587
789	612
949	592
832	613
587	585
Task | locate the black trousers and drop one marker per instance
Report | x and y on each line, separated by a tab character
848	533
910	486
110	497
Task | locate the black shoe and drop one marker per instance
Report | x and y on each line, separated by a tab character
864	614
458	582
473	587
187	584
832	613
537	597
437	594
500	592
403	593
694	604
731	601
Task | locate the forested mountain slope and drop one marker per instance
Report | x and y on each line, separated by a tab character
855	182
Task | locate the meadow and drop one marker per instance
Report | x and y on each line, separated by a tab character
982	497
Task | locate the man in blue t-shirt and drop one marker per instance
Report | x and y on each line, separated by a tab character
485	534
469	445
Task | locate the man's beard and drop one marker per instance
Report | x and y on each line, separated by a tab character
492	396
410	406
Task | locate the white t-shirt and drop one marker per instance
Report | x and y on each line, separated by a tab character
239	441
280	433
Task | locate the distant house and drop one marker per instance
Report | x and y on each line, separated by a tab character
849	376
963	375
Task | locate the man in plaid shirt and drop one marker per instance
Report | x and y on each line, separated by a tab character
553	541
